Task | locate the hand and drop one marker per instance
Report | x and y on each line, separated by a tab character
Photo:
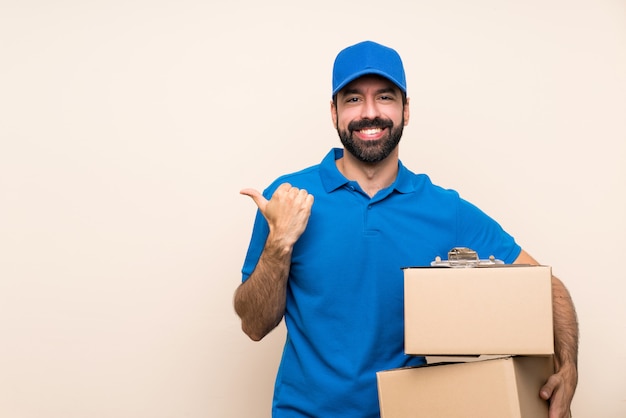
287	212
559	390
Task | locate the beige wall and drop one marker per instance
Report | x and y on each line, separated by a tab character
127	129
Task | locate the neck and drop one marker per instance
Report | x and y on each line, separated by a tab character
372	177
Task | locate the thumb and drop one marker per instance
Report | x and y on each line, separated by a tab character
258	198
547	389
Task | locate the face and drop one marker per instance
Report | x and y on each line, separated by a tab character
370	115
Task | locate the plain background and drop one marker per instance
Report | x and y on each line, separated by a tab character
127	129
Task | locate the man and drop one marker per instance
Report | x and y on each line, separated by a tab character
329	243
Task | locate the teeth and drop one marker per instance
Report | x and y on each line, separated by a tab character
371	131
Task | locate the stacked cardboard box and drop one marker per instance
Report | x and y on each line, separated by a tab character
500	316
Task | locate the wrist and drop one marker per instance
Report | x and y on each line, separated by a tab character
278	247
569	373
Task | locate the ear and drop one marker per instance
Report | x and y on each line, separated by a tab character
407	113
333	113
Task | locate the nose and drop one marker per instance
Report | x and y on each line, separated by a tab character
370	109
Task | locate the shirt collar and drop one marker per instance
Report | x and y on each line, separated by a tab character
332	179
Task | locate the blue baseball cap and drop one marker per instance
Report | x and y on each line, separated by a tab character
367	58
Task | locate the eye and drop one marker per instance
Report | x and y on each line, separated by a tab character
352	99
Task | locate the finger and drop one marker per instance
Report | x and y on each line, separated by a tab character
309	200
299	194
558	411
285	188
546	390
302	197
258	198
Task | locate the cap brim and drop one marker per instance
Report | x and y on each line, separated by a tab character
362	73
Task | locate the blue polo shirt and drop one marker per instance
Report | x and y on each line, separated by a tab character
344	312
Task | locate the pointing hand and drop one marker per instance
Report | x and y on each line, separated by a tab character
287	212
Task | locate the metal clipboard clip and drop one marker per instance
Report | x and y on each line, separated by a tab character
463	257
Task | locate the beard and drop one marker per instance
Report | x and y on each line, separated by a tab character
375	150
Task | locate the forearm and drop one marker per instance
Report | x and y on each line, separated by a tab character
565	327
560	387
564	318
260	300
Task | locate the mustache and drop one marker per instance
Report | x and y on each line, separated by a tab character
357	125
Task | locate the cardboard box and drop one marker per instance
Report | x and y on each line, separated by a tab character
496	388
481	310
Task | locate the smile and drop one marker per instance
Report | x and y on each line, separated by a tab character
370	131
